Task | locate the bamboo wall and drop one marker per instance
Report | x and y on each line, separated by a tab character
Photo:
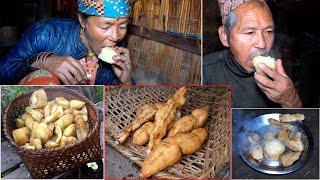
155	62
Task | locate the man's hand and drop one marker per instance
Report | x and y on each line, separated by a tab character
66	68
277	86
122	66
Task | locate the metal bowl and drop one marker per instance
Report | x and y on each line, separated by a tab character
260	125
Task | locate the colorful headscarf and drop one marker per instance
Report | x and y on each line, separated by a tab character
105	8
226	6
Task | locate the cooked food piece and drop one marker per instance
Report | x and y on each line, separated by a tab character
20	123
28	146
47	110
34	130
269	61
289	158
21	135
269	135
273	149
76	104
201	115
82	127
61	101
179	97
291	117
36	143
145	113
142	135
294	142
185	124
38	99
36	115
256	151
253	138
65	121
189	142
43	132
70	130
280	124
56	139
107	54
67	140
58	113
163	156
28	122
283	135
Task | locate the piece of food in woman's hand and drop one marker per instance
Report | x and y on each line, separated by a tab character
189	142
291	117
201	115
163	156
145	113
269	135
256	151
273	149
142	135
269	61
38	99
185	124
289	158
253	138
107	54
294	142
21	136
280	124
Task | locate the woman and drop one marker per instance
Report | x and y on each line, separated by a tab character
68	49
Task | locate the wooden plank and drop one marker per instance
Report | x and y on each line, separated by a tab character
20	173
180	42
9	157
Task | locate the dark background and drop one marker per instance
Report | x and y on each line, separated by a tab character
240	170
297	41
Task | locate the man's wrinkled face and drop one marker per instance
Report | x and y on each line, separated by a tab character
105	32
252	35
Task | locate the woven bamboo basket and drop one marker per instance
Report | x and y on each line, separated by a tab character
45	163
122	103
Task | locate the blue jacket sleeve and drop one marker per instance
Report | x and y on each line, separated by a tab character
16	64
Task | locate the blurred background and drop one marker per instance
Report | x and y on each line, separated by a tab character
297	41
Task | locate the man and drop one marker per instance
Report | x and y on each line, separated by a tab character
248	31
67	50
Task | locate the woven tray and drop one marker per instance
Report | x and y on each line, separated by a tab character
122	103
44	163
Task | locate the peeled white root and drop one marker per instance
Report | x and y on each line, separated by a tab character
106	55
269	61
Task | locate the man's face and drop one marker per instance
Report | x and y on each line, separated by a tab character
252	35
105	32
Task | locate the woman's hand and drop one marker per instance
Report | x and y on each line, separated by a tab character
122	66
66	68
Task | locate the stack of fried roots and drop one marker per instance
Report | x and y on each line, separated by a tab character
51	124
183	135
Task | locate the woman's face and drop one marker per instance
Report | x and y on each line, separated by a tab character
104	32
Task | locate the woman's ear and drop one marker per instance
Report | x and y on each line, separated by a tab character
81	20
223	36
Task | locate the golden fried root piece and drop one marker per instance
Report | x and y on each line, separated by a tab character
67	140
145	113
20	123
256	151
76	104
38	99
189	142
289	158
185	124
179	97
142	135
61	101
163	156
36	115
280	124
82	127
201	115
163	118
291	117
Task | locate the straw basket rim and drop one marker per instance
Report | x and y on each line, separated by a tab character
9	137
